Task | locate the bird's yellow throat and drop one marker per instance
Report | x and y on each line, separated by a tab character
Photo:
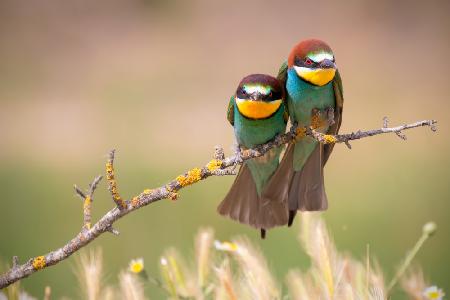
318	77
257	109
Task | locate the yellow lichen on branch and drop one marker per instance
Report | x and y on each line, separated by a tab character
329	139
172	194
214	164
113	185
148	191
192	176
87	211
39	262
87	203
136	200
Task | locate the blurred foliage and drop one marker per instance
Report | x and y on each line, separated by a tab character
238	270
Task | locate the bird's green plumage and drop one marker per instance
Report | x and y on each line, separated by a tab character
250	133
304	160
303	98
258	196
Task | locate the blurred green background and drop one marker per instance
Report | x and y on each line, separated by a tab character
152	79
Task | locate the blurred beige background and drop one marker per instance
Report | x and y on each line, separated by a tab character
153	78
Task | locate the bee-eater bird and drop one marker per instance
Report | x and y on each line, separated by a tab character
258	114
313	90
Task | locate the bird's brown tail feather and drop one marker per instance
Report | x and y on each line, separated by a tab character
307	189
243	204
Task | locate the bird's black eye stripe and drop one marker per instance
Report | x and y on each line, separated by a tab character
273	95
241	93
298	61
307	62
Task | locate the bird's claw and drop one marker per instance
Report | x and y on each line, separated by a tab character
237	157
293	130
330	116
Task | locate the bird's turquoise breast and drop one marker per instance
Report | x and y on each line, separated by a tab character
250	133
303	97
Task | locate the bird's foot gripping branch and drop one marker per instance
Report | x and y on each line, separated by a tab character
218	166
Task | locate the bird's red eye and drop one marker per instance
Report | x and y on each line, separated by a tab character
308	62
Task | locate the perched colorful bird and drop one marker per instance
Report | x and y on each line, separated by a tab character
313	92
258	114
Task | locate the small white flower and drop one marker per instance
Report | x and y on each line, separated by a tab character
225	246
433	293
136	265
429	228
163	261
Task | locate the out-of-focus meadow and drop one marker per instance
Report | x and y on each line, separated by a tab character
152	79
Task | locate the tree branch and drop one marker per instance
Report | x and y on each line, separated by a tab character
218	166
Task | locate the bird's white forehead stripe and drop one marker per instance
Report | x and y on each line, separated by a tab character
318	57
265	90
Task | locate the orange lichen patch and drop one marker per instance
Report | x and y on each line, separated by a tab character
329	139
113	185
39	262
173	196
87	202
192	176
181	180
301	132
246	153
109	167
317	121
135	201
148	191
87	211
214	165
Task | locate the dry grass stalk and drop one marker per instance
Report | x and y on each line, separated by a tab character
242	272
131	288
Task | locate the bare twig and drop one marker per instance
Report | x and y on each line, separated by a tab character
220	165
112	183
398	129
113	231
15	263
79	192
87	200
219	153
94	185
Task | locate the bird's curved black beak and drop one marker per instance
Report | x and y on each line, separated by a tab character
327	64
256	96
